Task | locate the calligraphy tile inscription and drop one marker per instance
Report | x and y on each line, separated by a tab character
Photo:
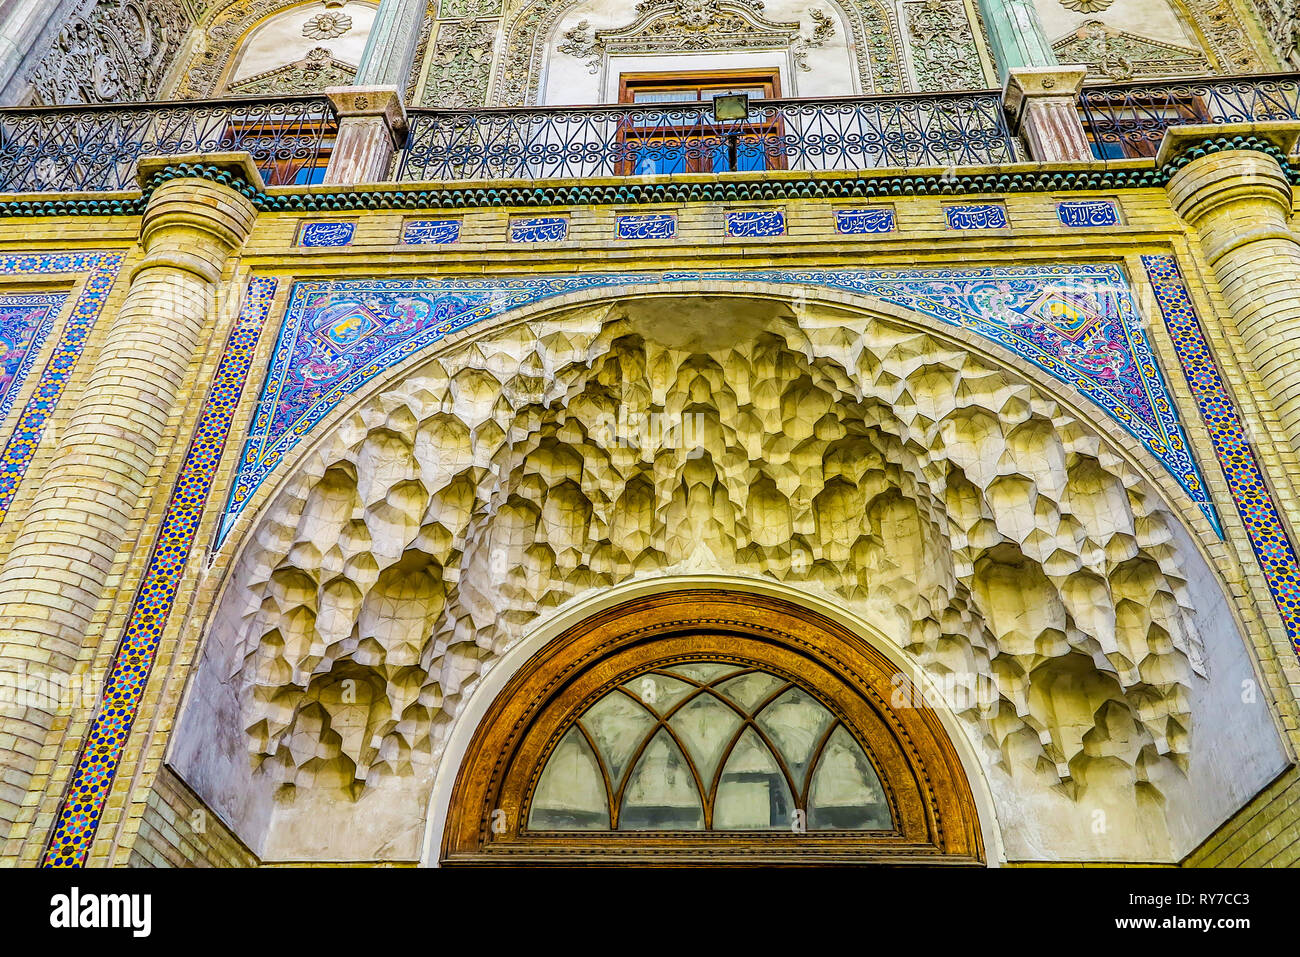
656	226
1088	212
981	216
544	229
326	234
430	232
855	222
756	223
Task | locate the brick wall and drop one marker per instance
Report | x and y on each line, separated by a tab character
177	830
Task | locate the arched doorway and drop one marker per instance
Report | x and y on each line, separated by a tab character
709	727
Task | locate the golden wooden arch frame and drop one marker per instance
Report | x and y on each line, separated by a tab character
935	820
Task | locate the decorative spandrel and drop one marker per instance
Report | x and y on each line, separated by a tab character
708	746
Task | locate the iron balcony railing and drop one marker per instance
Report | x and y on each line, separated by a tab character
95	148
849	133
1130	119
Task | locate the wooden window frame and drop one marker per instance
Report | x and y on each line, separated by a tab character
631	83
934	815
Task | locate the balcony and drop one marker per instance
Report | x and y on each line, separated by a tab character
290	138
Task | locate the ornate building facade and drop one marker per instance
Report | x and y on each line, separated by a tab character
493	431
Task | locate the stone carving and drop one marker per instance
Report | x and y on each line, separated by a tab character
875	44
1123	56
327	26
850	456
1227	35
461	65
313	73
112	51
670	26
944	54
461	9
1281	21
1086	6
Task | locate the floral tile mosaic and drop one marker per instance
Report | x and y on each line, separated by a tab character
101	271
1077	322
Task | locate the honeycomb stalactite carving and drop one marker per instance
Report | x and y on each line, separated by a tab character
859	459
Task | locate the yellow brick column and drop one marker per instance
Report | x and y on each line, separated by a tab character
80	516
1239	202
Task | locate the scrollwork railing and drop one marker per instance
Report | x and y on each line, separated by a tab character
850	133
95	148
1130	119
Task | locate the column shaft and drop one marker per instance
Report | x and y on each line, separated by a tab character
55	574
390	49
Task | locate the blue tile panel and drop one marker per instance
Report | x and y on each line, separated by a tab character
544	229
1268	536
431	232
1077	322
78	817
327	234
101	271
982	216
855	222
647	227
1088	212
756	224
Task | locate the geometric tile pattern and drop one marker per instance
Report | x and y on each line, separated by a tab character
1077	322
1259	513
21	444
79	815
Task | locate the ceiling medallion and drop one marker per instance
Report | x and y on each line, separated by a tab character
326	26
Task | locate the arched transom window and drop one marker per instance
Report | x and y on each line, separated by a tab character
708	726
708	745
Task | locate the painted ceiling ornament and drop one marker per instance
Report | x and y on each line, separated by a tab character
1086	6
1125	56
670	26
327	26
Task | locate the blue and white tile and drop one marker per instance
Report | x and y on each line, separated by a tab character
757	223
976	216
1088	212
542	229
431	232
857	222
326	234
651	226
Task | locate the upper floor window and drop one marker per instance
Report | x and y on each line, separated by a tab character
680	131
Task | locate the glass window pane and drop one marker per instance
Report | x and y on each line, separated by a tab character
706	726
753	794
618	725
796	722
664	96
571	793
658	692
846	793
748	690
661	794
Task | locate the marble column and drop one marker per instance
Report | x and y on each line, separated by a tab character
372	126
1017	35
1042	105
390	50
